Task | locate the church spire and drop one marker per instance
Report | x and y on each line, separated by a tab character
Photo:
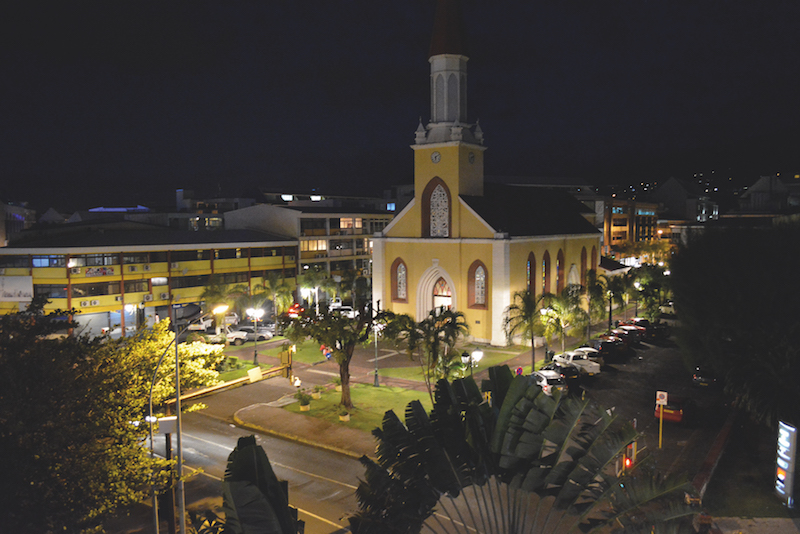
448	62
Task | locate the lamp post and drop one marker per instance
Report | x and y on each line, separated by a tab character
376	330
255	314
638	287
151	419
471	359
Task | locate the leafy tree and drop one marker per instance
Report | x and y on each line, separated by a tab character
215	293
522	318
317	279
560	314
523	462
434	338
734	293
68	406
356	285
341	334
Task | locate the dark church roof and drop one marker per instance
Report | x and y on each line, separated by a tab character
448	30
526	211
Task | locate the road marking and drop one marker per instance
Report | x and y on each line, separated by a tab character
390	351
226	447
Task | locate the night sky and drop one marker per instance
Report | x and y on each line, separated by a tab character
120	103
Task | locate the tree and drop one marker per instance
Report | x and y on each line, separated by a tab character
214	294
523	462
280	292
734	293
614	289
316	278
68	407
434	338
522	318
356	285
337	332
560	314
595	295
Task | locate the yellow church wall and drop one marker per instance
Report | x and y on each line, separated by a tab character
571	246
407	224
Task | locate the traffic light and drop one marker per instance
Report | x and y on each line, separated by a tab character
630	456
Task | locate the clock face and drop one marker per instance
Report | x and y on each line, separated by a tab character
472	157
436	157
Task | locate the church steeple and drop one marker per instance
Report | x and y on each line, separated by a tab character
448	62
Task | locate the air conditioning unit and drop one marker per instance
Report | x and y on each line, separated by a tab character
118	298
2	271
148	298
164	296
75	270
146	267
131	268
174	265
95	303
84	303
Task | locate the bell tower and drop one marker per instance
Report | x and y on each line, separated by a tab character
448	148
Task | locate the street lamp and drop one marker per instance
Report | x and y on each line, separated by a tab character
376	330
471	359
151	419
255	314
638	287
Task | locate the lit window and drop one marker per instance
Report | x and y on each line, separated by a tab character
480	286
440	213
401	282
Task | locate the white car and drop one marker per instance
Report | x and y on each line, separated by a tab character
234	337
261	334
549	381
593	354
346	311
580	360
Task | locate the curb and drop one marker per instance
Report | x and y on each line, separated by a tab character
703	476
291	437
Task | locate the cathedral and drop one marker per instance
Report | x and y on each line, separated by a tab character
464	243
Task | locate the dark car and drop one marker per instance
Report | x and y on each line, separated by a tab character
651	330
610	349
570	373
703	376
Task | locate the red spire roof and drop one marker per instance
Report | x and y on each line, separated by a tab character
448	30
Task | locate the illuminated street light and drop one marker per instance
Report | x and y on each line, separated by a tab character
151	419
255	314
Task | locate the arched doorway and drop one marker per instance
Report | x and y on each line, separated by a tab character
442	296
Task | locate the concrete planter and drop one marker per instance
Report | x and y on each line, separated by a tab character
305	407
316	395
344	417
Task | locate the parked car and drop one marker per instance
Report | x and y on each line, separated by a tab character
231	318
262	333
636	333
346	311
570	373
579	360
651	330
611	348
295	310
624	335
593	354
202	325
234	337
678	410
549	381
668	308
703	376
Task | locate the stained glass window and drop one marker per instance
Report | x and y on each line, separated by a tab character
480	285
441	289
440	213
401	282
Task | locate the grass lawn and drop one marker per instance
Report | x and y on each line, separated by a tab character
369	405
743	483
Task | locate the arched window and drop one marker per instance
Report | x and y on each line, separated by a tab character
438	111
452	98
399	281
546	272
436	209
442	297
560	279
594	258
530	273
477	279
583	266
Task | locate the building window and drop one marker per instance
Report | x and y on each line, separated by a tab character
53	260
546	272
560	272
530	274
476	280
435	210
399	281
440	213
594	258
583	266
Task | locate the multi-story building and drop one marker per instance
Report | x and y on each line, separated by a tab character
120	274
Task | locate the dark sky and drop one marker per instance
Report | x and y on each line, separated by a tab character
119	103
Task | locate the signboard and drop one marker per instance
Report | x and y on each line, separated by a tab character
99	271
784	464
16	288
661	398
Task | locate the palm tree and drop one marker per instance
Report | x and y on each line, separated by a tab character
434	338
560	314
279	290
614	288
214	293
595	295
523	462
522	318
315	278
